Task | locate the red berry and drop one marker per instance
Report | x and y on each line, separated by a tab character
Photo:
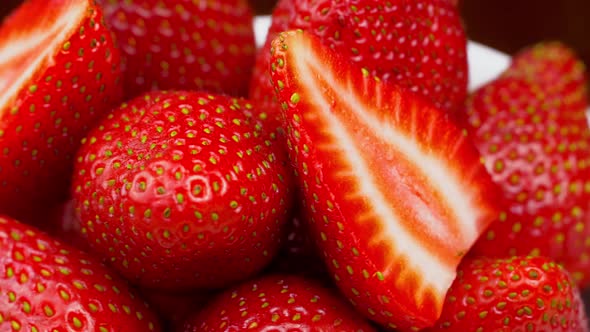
277	303
395	193
49	286
178	190
179	44
59	74
516	294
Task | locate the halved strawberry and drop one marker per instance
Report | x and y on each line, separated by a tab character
394	190
59	73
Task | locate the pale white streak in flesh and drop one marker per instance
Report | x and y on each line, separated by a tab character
436	275
21	43
444	178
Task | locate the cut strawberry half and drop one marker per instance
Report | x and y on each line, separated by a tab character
59	73
394	190
29	46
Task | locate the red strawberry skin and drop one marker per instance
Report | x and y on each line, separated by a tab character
179	190
516	294
419	45
64	79
49	286
535	143
188	45
277	303
394	191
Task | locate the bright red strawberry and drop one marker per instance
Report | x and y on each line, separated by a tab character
178	190
180	44
516	294
59	73
394	190
557	69
277	303
536	149
419	45
49	286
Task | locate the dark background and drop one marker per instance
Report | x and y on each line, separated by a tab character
507	25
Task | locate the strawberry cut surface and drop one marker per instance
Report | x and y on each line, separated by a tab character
59	73
394	190
26	47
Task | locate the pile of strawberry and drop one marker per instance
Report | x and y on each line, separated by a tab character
158	172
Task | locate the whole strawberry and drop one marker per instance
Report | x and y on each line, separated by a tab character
394	191
556	68
59	74
534	141
181	44
179	190
277	303
419	45
516	294
49	286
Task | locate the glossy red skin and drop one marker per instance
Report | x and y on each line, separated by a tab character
41	128
520	291
277	303
364	262
184	45
179	196
519	128
436	66
261	90
50	286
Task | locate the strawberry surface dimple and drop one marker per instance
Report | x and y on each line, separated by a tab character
179	190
